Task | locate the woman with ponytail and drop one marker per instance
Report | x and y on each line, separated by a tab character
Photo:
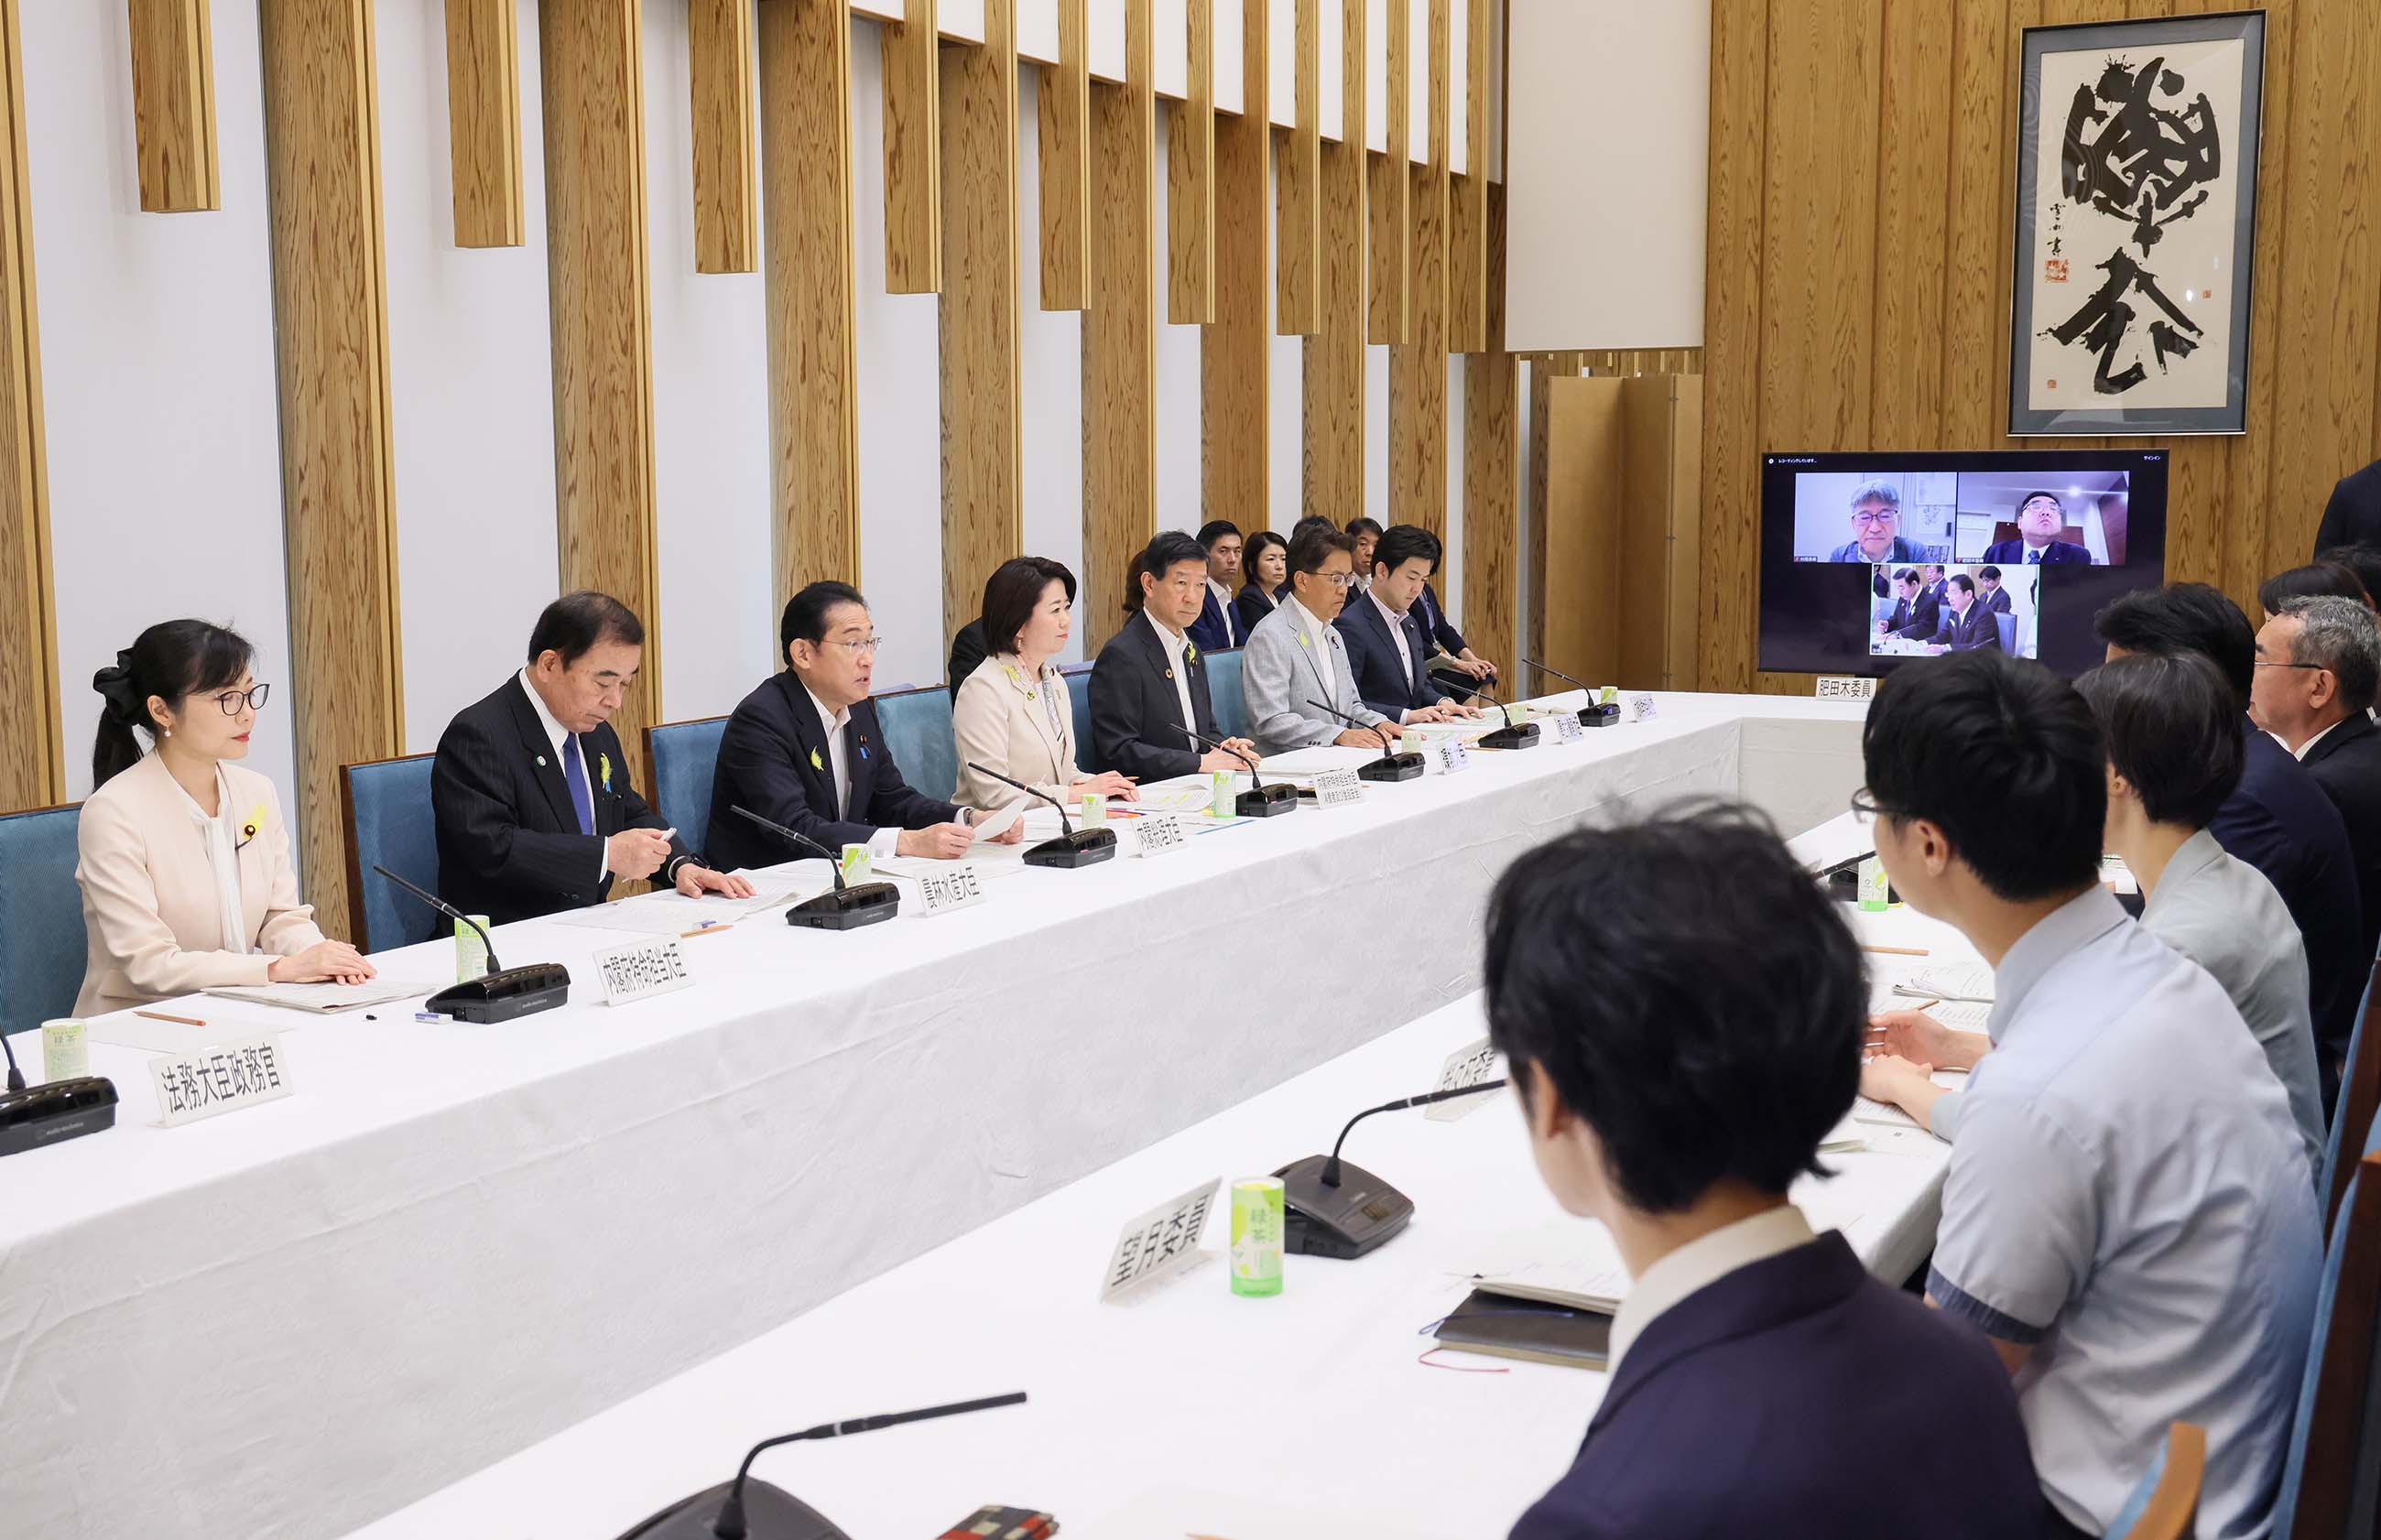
184	862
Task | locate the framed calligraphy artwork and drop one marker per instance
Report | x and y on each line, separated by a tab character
2136	218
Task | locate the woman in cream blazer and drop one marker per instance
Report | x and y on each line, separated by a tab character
1014	714
184	858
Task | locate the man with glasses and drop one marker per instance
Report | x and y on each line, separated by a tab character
1876	527
530	792
804	750
1297	655
2318	663
2041	536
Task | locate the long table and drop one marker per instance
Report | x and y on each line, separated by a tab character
454	1240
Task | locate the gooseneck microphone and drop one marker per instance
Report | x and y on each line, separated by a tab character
1524	736
1595	714
443	907
1073	848
1391	765
501	994
16	1076
1341	1210
840	908
1331	1169
1260	800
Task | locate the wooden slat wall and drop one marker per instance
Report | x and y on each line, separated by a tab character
1333	380
1857	285
484	120
1120	335
330	309
719	67
32	756
1190	180
1389	192
1467	200
1063	121
1297	188
1490	476
983	509
1233	395
174	106
913	242
1418	367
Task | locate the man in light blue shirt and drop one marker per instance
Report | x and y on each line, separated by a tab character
2127	1213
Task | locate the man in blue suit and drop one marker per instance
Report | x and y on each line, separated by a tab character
1386	651
1218	626
2041	527
1682	1011
1966	625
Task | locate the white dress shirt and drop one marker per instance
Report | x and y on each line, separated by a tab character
1396	634
218	835
2302	750
1699	1263
1232	617
884	842
555	735
1317	637
1176	649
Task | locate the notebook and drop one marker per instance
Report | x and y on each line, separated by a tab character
1563	1262
1970	981
1501	1327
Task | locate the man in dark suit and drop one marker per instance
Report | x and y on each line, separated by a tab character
2041	525
1456	664
1762	1382
1937	587
1218	626
2353	517
1996	599
967	652
2318	663
1916	614
1148	683
530	792
1386	653
804	750
1966	626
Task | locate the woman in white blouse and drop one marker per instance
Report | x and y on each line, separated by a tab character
1014	714
184	858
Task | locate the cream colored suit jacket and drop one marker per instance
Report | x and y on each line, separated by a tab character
1002	719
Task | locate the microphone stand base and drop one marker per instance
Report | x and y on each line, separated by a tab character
504	996
1267	802
1354	1220
1521	735
847	908
1082	848
770	1513
1392	767
1600	717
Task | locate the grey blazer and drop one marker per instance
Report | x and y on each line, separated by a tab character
1284	665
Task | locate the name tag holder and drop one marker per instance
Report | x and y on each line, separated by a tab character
1447	756
1468	1065
1160	1245
1566	728
643	969
1156	834
225	1076
1338	788
1834	687
961	887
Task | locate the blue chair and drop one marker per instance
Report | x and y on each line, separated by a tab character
41	942
1079	697
2330	1470
1224	692
917	725
384	807
684	757
2351	1114
2165	1503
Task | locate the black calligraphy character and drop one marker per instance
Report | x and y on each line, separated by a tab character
2104	320
2131	159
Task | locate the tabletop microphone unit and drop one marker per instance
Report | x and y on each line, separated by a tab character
501	994
749	1510
53	1111
1390	766
1511	735
840	908
1260	800
1336	1209
1593	714
1073	847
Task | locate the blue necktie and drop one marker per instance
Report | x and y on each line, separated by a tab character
574	775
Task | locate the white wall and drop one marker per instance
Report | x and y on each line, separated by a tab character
1050	361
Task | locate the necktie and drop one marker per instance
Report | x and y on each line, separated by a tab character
574	775
2034	558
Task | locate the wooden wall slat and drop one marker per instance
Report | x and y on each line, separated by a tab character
1063	117
1467	199
1732	427
1418	366
1332	379
32	756
1912	209
983	507
1388	193
330	310
2243	507
1190	180
727	202
1545	368
1492	556
1120	335
174	106
484	121
1976	226
913	203
1297	188
1233	400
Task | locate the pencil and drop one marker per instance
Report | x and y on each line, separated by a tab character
179	1021
1899	951
720	929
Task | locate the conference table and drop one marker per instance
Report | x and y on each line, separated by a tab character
451	1241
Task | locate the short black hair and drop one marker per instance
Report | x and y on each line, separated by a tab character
1014	592
1308	550
2315	581
1907	575
1992	572
2052	495
1215	530
806	613
1963	582
1257	544
575	623
1362	525
1312	521
1400	543
2184	618
2171	729
1166	548
2361	559
1689	993
2003	756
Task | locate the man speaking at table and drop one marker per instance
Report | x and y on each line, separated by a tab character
1296	655
530	791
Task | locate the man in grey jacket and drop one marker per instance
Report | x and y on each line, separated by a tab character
1295	656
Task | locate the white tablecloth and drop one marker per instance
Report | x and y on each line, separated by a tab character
452	1240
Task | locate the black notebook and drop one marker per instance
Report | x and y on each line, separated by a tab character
1505	1327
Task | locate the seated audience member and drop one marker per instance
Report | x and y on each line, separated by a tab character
1296	655
1218	625
1150	682
2041	536
181	852
2363	561
968	653
2317	664
1938	587
530	786
2353	517
2125	1289
2316	580
2277	819
2174	755
1265	562
1916	613
804	750
1761	1381
1385	650
1964	625
1366	533
1311	522
1988	585
1014	714
1876	527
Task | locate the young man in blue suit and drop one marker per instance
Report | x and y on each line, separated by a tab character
1218	626
1386	651
2041	527
1682	1011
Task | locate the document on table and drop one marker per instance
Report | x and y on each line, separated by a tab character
124	1030
1566	1262
325	998
994	824
1953	982
672	912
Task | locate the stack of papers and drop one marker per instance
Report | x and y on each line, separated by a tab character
323	999
1953	982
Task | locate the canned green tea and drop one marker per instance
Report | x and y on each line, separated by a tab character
1257	1225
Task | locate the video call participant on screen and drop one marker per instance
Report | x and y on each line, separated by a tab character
1678	1117
2276	819
1966	626
804	750
1149	682
1936	584
1386	652
2315	581
1916	613
1876	527
2041	542
1988	584
1218	625
2125	1289
1296	655
2318	663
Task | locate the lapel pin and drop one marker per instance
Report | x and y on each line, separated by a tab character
541	762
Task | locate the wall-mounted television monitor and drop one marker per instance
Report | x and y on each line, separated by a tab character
1868	560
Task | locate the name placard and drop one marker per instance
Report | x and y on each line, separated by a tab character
1338	788
1156	833
1448	755
1464	1067
957	888
1566	728
223	1078
1162	1244
642	970
1642	708
1832	687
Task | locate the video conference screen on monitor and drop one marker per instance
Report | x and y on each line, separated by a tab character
1869	559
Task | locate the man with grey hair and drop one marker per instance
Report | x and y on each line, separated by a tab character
2318	663
1876	527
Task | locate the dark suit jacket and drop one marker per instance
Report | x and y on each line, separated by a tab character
966	651
1798	1399
1135	713
1976	632
1920	618
773	759
508	840
1372	659
2059	553
1253	605
2279	821
1436	627
2000	601
1938	591
1211	632
2347	764
2353	515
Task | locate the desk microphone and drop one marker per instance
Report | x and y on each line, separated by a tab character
839	907
1260	800
501	994
1389	766
1073	847
1595	714
1336	1209
755	1508
54	1110
1524	736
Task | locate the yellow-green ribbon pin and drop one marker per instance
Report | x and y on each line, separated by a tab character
255	824
604	770
1301	638
816	763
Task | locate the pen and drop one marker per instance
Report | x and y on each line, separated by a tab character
428	1016
1898	951
179	1021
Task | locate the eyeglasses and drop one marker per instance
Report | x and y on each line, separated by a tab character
859	648
1867	808
231	700
1887	517
1336	580
2276	662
